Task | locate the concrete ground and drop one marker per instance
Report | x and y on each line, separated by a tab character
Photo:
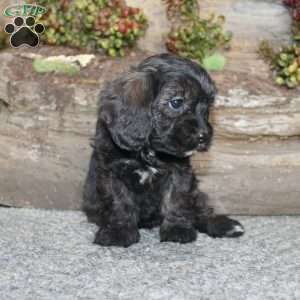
50	255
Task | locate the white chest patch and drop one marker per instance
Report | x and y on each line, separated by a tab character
153	170
189	153
144	175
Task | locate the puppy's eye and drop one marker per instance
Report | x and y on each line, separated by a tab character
176	103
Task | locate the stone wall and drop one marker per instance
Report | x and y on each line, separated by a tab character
46	121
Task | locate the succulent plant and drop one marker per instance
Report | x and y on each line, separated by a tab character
191	36
182	9
108	25
285	64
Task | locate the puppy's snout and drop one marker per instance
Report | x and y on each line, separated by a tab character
203	140
203	136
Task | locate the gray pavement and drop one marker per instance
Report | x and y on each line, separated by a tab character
50	255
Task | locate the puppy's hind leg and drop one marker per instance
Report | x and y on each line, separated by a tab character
92	206
216	226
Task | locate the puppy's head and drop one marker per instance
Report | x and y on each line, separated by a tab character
163	104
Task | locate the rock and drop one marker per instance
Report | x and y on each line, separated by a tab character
239	177
259	177
239	112
43	174
242	115
46	122
82	59
252	21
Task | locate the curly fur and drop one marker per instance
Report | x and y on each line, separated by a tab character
140	174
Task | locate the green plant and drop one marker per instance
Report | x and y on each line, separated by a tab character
285	63
182	9
93	24
42	65
194	37
215	62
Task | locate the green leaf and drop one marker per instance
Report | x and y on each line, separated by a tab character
42	65
214	62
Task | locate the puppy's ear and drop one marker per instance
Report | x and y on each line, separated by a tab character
210	89
125	109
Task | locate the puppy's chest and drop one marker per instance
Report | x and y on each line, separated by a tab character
150	188
144	179
149	178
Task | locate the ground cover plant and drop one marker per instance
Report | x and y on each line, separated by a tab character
108	25
195	37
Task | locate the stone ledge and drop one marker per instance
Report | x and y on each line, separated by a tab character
46	122
247	106
252	177
240	178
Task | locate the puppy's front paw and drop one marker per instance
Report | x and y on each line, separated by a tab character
119	237
222	226
177	233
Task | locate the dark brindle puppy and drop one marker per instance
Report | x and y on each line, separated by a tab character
150	121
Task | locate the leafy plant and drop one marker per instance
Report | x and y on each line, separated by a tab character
284	63
110	25
215	62
194	37
181	9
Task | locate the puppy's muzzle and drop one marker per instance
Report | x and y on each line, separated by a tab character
203	142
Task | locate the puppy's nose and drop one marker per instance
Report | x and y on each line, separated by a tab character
202	136
202	141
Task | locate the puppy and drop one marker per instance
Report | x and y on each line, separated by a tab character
150	121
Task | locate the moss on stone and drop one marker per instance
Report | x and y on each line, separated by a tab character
42	65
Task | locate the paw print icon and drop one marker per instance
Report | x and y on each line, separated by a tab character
24	32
